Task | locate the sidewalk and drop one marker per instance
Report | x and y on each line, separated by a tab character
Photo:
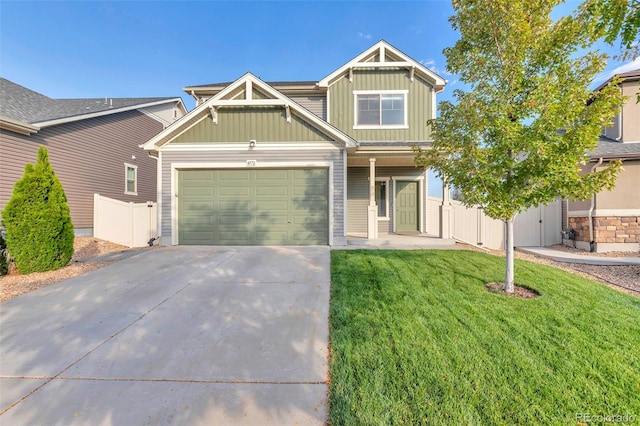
562	256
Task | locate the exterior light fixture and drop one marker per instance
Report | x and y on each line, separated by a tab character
252	143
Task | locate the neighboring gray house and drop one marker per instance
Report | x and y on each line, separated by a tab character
93	145
302	162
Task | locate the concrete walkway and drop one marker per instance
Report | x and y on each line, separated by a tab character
181	335
399	242
562	256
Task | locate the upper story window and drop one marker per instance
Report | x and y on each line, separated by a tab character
131	179
380	109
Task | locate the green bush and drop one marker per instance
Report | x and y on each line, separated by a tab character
39	232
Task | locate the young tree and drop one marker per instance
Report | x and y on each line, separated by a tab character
517	138
37	220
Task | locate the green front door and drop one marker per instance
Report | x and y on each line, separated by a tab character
407	206
253	207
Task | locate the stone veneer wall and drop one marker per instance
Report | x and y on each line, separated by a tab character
609	229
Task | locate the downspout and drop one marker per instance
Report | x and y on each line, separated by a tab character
592	243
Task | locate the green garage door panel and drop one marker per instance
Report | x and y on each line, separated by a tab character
253	207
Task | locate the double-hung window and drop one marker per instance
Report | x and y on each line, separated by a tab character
131	179
380	110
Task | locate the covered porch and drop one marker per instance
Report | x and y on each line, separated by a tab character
388	197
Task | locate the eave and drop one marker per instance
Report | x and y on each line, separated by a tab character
16	126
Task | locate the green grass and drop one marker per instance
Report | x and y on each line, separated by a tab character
416	339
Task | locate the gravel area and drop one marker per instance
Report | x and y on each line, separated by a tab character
623	278
83	260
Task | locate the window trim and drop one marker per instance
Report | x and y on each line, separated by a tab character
128	166
387	182
404	93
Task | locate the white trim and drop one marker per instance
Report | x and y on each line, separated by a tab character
251	102
57	121
380	93
344	191
176	167
244	146
159	193
128	166
604	212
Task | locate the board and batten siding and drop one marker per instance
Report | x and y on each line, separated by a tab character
241	124
419	104
358	197
88	157
315	104
263	159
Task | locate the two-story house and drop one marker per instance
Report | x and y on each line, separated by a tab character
93	145
610	220
307	162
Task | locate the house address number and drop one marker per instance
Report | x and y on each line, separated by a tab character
251	163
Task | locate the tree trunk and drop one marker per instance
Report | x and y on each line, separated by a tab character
509	277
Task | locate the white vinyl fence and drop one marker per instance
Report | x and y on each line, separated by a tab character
128	224
538	226
471	225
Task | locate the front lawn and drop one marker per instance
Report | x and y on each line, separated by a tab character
416	339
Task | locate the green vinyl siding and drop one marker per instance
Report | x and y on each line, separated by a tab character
419	104
242	124
253	207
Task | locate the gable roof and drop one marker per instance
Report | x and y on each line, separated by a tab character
23	108
228	96
384	55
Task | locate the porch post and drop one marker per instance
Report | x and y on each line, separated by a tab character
446	212
372	209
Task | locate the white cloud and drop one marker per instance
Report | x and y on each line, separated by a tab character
431	64
364	35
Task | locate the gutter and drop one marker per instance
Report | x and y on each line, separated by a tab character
592	243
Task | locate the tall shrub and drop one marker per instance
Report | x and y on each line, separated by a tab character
37	219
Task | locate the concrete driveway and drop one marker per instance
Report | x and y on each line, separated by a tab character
180	335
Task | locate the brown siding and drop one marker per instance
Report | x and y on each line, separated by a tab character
88	156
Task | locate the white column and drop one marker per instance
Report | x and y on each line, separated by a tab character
446	212
372	209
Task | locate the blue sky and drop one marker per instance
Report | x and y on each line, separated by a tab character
86	49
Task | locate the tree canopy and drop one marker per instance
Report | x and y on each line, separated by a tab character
518	137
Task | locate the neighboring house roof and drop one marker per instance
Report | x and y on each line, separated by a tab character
629	72
610	149
247	82
25	111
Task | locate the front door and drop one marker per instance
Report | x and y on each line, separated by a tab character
407	206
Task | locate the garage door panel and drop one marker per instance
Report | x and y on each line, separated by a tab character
277	175
257	206
233	218
233	175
